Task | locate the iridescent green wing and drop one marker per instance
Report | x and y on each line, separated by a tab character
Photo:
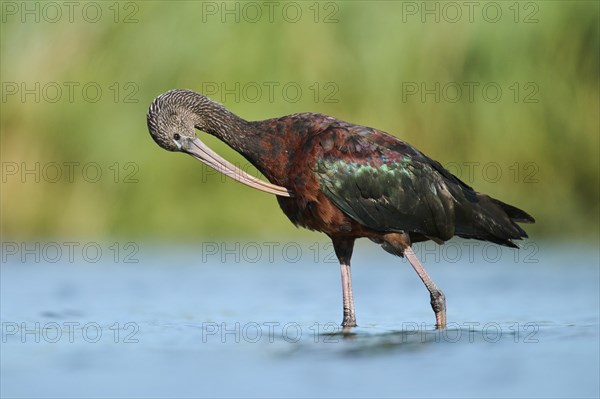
387	189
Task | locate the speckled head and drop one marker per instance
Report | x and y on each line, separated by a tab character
173	118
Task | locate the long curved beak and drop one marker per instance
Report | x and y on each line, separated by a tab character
196	148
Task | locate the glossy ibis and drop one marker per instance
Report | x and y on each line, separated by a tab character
345	180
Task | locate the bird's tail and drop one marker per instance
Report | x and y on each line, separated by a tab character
495	221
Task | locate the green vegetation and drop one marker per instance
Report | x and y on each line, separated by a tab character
535	146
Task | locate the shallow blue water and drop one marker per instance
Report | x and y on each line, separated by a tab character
183	323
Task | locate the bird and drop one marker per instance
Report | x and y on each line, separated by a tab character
345	180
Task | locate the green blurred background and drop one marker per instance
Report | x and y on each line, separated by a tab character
535	146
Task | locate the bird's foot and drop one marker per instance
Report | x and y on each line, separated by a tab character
349	321
438	304
440	320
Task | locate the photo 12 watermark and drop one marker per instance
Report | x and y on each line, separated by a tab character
272	91
53	12
70	332
470	92
69	252
253	332
69	172
452	12
252	12
492	172
273	252
70	92
472	331
469	251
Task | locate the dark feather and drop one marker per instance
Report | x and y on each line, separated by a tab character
389	186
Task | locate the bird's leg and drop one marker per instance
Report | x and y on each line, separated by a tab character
343	250
348	298
399	244
438	300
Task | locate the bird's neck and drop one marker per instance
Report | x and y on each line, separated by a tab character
258	143
227	126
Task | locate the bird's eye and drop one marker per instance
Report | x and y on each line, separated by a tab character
176	136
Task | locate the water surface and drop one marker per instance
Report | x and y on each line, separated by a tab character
180	323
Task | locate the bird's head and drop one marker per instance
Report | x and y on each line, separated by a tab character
172	121
173	118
